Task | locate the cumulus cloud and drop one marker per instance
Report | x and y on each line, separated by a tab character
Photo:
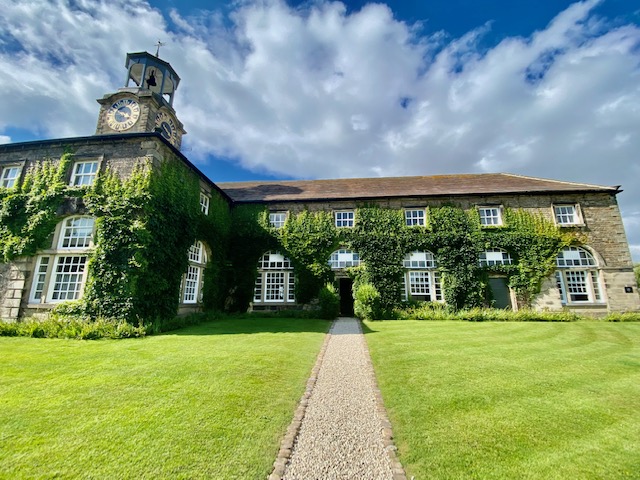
316	92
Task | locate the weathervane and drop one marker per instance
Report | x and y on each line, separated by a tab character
158	45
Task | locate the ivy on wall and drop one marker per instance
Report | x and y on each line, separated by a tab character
146	223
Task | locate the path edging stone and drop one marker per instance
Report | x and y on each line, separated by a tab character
286	445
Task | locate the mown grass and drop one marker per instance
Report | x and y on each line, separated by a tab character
511	400
210	401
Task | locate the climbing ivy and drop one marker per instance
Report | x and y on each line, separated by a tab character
28	212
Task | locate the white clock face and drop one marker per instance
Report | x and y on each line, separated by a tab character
167	127
123	114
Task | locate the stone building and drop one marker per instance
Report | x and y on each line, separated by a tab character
138	128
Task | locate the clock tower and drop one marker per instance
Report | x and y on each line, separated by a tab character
145	103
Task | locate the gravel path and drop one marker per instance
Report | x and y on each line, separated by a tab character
342	432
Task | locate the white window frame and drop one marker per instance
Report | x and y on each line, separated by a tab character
204	203
577	277
8	180
344	218
494	256
415	217
60	275
490	215
193	278
567	214
421	277
344	258
277	219
275	280
74	230
82	178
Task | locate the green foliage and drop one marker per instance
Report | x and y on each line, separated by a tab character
379	237
28	212
636	271
309	239
439	312
368	302
63	326
329	302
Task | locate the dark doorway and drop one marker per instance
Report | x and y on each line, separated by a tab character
500	291
346	297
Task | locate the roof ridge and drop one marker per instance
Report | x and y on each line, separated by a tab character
564	182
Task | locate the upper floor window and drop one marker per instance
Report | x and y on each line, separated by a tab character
344	258
490	216
10	176
277	219
84	173
414	217
494	256
344	218
204	203
76	232
567	214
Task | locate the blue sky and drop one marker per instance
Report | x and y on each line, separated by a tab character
276	90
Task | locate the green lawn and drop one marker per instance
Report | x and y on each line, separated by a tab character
511	400
210	401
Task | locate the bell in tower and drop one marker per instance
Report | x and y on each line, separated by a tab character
145	103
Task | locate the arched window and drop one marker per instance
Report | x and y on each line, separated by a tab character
494	256
577	276
421	279
344	258
193	278
60	276
275	282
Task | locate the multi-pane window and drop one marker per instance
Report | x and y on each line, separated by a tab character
277	219
68	278
84	173
344	218
61	275
204	203
193	278
275	282
344	258
577	276
9	176
490	216
39	280
494	256
414	217
77	232
421	280
419	260
566	214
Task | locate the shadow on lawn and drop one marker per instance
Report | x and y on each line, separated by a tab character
243	326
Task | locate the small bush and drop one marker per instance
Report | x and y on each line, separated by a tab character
367	304
57	326
329	302
623	317
439	311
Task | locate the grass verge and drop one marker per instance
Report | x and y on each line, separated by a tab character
209	401
511	400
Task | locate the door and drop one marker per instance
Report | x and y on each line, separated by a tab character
501	293
346	297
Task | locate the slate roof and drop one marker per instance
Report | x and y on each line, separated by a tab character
389	187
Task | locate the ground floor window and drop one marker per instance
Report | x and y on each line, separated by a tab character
421	280
577	276
58	278
275	281
193	278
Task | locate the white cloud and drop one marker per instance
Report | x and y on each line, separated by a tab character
317	92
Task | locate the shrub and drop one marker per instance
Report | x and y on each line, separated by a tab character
329	302
367	304
57	326
623	317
